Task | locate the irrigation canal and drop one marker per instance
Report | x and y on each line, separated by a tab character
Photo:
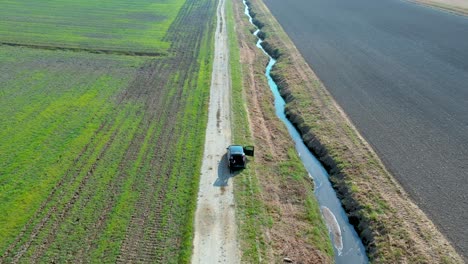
399	71
347	244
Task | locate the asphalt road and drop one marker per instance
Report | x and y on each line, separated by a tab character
400	71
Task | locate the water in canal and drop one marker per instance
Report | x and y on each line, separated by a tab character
347	244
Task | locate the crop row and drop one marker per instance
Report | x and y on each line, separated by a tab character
121	181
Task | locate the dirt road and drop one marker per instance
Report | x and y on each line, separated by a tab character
215	227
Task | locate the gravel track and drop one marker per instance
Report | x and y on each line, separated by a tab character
399	70
215	238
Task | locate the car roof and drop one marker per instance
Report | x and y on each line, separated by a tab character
236	149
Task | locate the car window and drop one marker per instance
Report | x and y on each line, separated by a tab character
236	149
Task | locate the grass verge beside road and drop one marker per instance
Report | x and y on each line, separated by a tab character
276	208
392	228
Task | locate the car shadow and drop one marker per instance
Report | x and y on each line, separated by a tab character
223	172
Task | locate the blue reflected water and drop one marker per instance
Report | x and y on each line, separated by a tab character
347	244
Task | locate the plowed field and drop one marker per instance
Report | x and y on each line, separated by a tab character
401	78
100	154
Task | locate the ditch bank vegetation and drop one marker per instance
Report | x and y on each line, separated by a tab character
278	216
392	228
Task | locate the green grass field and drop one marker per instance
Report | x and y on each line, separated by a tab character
105	25
100	153
51	105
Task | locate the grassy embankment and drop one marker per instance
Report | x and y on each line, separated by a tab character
392	228
264	215
90	143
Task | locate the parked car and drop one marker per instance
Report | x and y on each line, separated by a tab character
236	155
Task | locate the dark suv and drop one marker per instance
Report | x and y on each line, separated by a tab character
236	156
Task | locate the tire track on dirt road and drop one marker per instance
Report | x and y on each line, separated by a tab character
215	238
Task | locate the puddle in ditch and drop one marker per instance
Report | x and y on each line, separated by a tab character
348	246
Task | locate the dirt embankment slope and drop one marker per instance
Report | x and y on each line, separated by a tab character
456	6
276	209
392	227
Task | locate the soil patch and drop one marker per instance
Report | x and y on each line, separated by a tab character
81	49
456	6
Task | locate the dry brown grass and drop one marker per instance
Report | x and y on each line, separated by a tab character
285	190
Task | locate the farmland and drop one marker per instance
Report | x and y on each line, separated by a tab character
100	153
406	95
105	25
392	227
